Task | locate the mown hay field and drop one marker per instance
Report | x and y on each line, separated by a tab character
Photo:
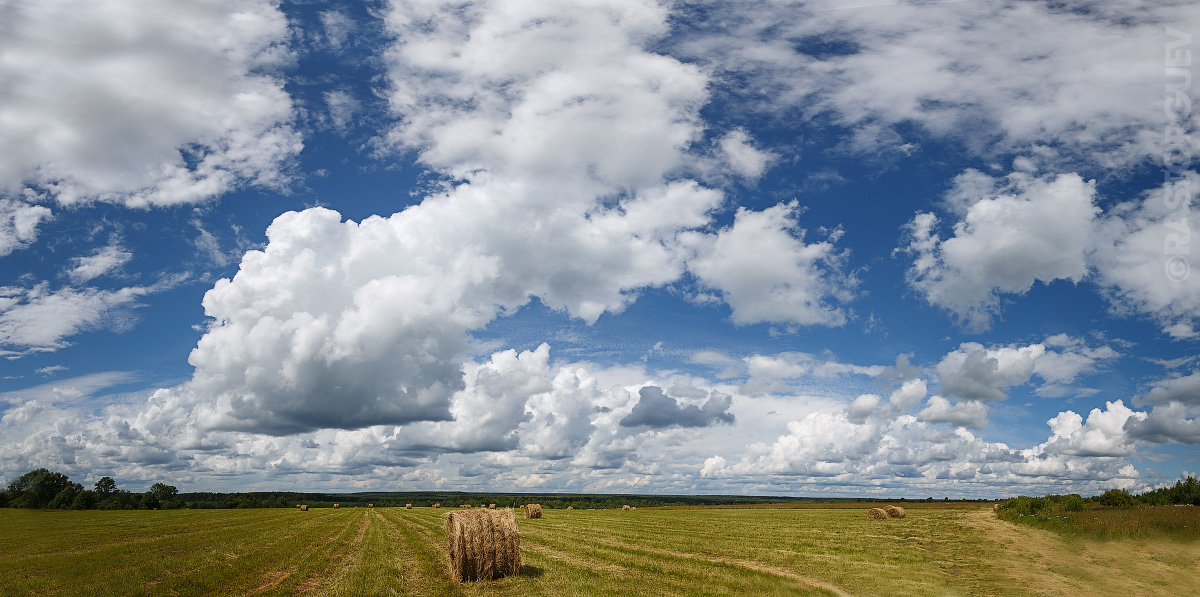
696	551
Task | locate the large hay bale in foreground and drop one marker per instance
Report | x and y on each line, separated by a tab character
625	507
533	510
483	544
894	511
877	513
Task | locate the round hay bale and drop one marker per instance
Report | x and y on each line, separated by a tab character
483	544
570	507
625	507
878	513
464	505
304	508
335	506
437	505
533	510
894	511
370	505
408	506
491	506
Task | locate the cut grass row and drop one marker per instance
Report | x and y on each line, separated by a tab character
393	551
172	552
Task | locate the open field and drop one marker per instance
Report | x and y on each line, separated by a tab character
694	551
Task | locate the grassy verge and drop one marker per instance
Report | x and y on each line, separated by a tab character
1177	522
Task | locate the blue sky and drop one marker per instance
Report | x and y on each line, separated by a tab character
807	248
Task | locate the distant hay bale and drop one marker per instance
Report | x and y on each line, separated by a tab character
304	508
437	505
625	507
483	544
408	506
633	508
370	505
894	511
491	506
877	513
533	510
335	506
464	505
570	507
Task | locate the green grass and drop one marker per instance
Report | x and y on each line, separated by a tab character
187	552
392	551
1179	522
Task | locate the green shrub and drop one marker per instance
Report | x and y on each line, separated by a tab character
1116	498
1071	503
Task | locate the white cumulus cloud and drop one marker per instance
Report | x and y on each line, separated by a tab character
967	413
763	268
143	104
1021	231
975	372
1146	256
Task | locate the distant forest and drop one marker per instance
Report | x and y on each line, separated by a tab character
43	488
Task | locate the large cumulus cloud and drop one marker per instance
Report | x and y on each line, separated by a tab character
517	416
563	140
142	104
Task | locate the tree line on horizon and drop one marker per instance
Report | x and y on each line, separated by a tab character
1183	492
47	489
43	488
